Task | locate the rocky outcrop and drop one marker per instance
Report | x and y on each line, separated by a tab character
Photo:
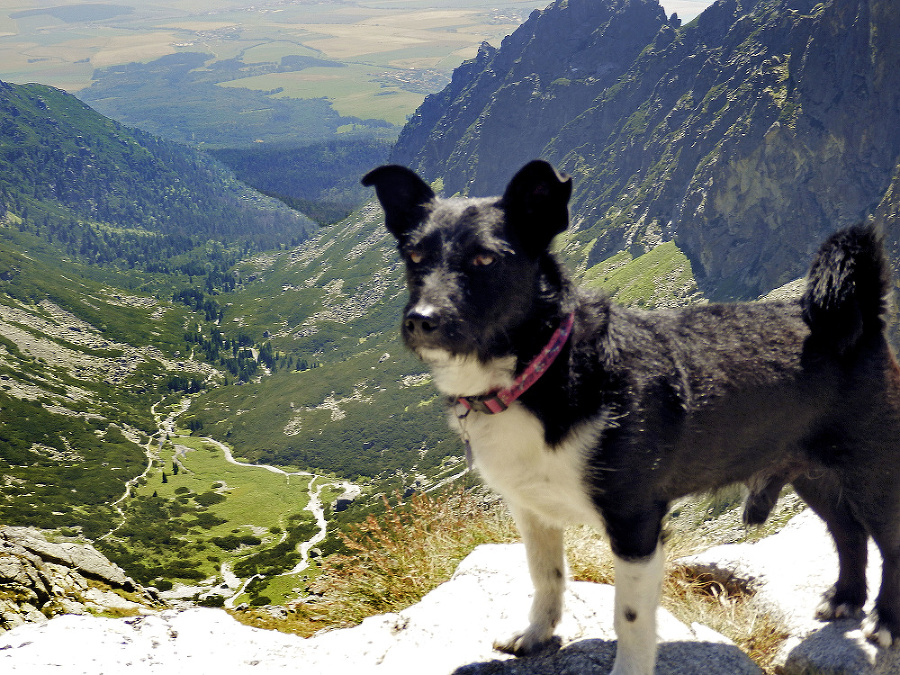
452	629
40	579
745	136
787	574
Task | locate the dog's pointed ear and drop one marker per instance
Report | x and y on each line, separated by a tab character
403	196
536	202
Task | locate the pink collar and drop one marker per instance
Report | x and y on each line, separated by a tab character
498	401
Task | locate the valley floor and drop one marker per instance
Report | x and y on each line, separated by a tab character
249	509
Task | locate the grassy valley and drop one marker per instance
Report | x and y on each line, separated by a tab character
94	365
195	515
113	248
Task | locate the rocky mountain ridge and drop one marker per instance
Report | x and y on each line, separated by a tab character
745	136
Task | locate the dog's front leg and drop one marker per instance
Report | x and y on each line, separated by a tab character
547	565
638	587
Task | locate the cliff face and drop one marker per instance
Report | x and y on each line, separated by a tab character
501	108
745	136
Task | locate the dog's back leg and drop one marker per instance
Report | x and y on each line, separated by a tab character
883	624
547	565
846	598
880	511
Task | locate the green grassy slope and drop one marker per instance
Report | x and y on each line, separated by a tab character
116	196
82	360
361	405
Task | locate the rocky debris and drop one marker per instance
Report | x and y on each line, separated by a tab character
40	579
53	336
82	557
787	574
350	494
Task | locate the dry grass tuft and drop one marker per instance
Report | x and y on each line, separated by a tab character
413	547
729	611
397	558
588	554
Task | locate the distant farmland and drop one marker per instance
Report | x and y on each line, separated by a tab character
393	54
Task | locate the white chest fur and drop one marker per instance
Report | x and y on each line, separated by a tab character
508	448
509	451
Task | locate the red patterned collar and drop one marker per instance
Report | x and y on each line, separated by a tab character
498	401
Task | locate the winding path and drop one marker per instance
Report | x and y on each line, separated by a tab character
153	448
314	506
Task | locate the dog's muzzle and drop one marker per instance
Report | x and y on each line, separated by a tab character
421	322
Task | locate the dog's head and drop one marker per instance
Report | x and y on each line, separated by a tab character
473	265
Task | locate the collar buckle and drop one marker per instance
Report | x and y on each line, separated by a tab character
490	404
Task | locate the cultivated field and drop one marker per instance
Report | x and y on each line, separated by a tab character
395	52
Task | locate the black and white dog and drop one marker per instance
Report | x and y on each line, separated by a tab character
580	411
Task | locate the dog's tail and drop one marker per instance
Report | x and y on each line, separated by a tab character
848	289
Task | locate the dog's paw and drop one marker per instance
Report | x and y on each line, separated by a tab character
529	643
828	611
833	607
879	631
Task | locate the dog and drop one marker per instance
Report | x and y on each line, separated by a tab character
578	410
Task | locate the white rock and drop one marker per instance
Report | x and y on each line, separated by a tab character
788	572
452	627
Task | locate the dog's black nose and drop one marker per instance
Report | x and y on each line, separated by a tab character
422	321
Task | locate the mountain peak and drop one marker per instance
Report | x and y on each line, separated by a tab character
745	136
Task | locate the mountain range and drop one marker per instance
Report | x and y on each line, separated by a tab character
708	159
744	137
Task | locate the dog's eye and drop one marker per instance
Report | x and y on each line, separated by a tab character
483	260
415	257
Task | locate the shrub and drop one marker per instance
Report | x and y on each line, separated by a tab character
415	546
209	498
212	601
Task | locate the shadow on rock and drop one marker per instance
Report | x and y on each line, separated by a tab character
840	647
596	657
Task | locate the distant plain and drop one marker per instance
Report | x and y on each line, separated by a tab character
395	52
